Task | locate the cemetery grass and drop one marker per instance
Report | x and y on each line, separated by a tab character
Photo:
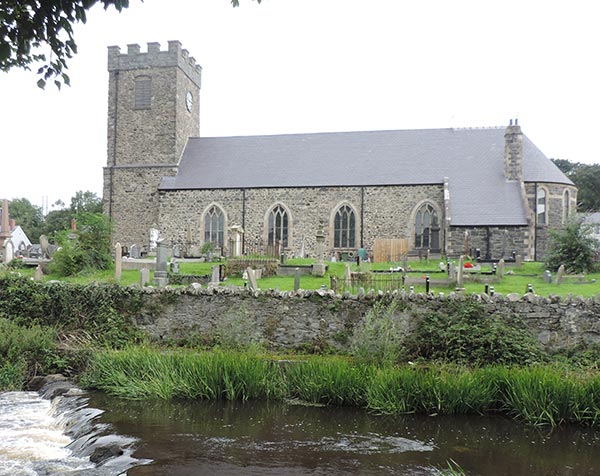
515	281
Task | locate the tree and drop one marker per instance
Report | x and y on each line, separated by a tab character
27	216
41	32
572	246
85	202
586	178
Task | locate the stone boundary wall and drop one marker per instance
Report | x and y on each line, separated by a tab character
310	319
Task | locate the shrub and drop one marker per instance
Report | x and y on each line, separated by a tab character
464	333
377	337
572	246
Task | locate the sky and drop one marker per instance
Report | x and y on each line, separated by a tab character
296	66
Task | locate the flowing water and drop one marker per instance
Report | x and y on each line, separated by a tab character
43	438
259	438
39	437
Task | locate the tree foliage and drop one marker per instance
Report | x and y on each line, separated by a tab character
87	248
27	216
41	32
586	178
572	246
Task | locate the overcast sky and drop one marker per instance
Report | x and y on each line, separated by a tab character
293	66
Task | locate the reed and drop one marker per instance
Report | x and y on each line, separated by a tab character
140	373
329	380
539	395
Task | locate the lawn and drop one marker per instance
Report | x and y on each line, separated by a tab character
514	281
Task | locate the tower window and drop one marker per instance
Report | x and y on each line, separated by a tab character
344	228
566	206
143	92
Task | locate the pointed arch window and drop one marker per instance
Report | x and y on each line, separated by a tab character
344	228
540	207
278	226
214	226
427	228
566	206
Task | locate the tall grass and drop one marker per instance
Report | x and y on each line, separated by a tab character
539	395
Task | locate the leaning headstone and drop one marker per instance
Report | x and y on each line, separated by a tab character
161	276
518	261
560	273
118	261
134	251
214	277
251	279
38	273
144	277
500	269
296	279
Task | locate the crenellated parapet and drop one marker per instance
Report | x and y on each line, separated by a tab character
154	57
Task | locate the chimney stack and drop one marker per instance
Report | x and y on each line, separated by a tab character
513	151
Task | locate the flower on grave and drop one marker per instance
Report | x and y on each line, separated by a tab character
468	264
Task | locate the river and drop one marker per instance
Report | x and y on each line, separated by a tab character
43	438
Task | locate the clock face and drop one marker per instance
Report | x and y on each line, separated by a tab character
189	101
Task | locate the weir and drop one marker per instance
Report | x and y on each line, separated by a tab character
39	436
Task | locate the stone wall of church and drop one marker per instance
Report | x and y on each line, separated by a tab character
134	207
494	242
388	213
555	212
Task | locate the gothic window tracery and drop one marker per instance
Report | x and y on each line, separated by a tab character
278	223
540	207
427	228
344	228
214	226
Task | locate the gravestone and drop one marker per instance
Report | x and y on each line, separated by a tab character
144	277
134	251
459	272
348	276
161	276
547	276
174	266
560	274
118	261
318	268
44	246
518	261
9	251
38	273
500	269
176	251
154	238
251	279
214	277
296	279
452	272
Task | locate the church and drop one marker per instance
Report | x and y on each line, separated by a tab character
447	191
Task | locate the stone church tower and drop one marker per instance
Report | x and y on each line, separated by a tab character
153	107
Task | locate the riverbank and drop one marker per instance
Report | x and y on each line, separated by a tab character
540	395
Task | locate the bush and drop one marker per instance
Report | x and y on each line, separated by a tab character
89	248
572	246
464	333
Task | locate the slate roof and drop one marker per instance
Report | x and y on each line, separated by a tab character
472	159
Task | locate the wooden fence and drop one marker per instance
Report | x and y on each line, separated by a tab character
390	249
